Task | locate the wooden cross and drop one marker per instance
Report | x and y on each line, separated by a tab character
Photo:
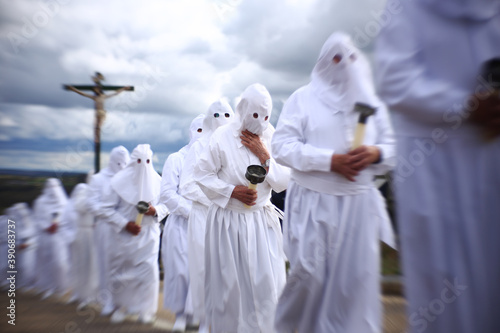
99	97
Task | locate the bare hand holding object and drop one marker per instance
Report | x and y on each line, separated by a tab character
245	195
133	228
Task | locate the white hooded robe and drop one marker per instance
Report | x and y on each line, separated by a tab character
244	260
332	226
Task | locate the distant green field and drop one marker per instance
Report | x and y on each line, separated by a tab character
26	188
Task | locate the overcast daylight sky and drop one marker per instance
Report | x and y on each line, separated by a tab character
180	55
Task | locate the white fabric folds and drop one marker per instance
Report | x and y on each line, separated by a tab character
218	114
138	181
244	262
332	226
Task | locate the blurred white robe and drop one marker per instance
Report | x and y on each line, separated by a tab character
134	272
133	266
84	271
176	280
98	185
174	250
25	235
447	181
332	226
218	114
52	254
4	248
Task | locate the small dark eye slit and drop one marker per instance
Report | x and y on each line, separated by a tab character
256	115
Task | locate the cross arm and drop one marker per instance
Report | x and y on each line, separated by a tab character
91	87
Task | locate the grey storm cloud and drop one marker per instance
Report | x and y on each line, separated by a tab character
179	56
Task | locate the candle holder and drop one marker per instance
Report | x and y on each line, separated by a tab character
255	175
142	207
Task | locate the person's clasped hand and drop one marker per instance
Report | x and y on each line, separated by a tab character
245	195
487	113
349	165
255	144
151	211
133	228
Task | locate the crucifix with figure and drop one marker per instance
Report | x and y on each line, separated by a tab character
99	97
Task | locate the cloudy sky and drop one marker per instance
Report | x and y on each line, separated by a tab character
179	55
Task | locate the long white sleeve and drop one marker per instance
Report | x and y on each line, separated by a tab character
109	210
206	175
169	193
188	186
290	148
385	141
412	83
97	184
223	165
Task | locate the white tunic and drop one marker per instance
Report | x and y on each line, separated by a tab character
174	250
447	180
196	226
25	235
245	265
84	266
218	114
133	266
100	183
332	226
4	247
52	258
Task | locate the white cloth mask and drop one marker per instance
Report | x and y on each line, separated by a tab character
138	181
218	114
254	109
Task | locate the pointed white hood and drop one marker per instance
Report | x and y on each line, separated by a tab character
218	114
138	181
254	109
196	129
340	85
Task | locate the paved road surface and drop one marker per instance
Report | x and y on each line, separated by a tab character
52	315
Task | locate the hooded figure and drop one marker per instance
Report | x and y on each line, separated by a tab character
176	294
4	248
133	264
334	214
429	61
244	261
84	273
218	114
52	256
99	184
26	244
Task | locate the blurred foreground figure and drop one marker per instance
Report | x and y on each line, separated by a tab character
334	214
26	244
133	265
99	184
219	113
4	248
244	260
52	258
84	273
447	118
174	249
